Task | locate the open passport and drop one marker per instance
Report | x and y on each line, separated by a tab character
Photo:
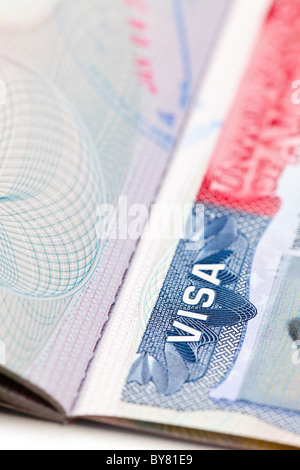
150	216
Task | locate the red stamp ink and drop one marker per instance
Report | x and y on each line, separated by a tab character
140	38
262	133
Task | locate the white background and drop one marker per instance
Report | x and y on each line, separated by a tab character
18	432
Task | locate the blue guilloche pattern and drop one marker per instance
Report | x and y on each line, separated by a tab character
51	187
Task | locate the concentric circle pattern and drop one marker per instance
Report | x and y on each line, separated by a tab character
50	189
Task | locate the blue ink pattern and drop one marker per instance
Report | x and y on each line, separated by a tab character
230	239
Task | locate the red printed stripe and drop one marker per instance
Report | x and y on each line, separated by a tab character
262	133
